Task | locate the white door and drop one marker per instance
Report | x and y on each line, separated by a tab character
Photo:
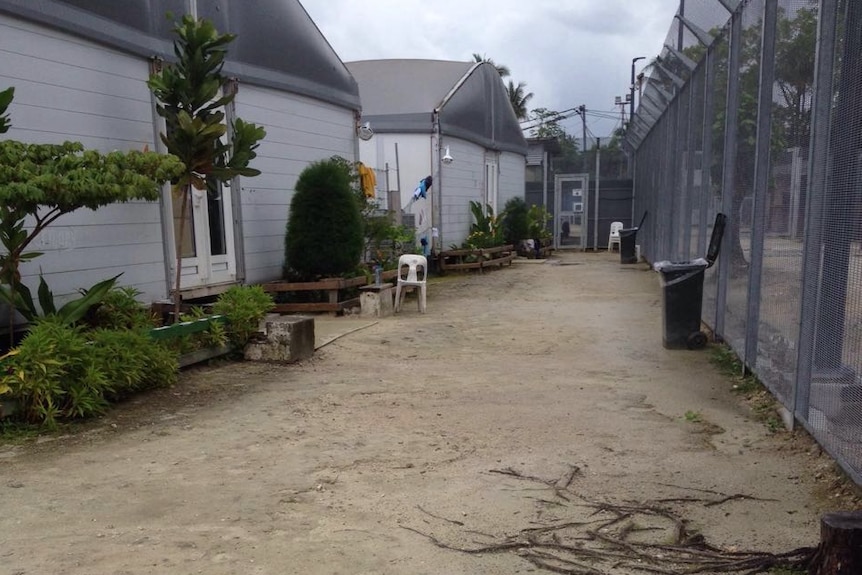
491	184
208	245
209	254
571	193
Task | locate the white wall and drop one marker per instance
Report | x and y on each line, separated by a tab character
414	160
67	88
299	131
513	169
415	164
463	181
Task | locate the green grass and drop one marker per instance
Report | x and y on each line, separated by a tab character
746	384
693	417
17	432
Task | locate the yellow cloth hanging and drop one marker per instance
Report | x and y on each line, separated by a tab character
367	180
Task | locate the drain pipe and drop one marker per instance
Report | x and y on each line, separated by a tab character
437	205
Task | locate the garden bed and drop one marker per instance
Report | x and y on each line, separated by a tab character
470	259
336	289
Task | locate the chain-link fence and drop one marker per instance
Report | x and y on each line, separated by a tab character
754	109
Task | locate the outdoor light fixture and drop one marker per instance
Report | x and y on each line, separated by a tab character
365	132
632	88
447	157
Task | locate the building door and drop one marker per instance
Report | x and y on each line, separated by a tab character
209	252
209	256
492	182
570	207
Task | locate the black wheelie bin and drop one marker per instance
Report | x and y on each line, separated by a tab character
628	241
682	294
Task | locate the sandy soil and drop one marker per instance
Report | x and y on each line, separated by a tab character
527	398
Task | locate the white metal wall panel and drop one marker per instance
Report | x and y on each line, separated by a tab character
512	180
299	131
67	88
463	181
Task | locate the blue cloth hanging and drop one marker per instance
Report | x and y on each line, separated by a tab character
421	190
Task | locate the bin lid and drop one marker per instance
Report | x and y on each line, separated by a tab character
715	239
691	265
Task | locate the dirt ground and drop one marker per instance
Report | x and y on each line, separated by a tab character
531	416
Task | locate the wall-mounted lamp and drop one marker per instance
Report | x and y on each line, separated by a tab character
447	157
365	132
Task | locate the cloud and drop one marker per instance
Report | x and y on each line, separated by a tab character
569	53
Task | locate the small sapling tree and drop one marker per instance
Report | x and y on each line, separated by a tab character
192	103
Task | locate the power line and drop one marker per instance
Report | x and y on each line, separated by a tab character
566	114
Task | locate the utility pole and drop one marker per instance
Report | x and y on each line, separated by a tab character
679	26
582	111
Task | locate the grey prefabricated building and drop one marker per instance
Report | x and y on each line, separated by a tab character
427	107
79	68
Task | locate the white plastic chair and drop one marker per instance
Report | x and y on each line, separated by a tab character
412	263
614	238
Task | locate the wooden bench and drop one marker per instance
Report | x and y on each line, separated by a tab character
482	258
332	286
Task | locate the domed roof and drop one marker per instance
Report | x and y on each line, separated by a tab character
277	43
472	102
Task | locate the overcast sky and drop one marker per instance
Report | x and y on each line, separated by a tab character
569	52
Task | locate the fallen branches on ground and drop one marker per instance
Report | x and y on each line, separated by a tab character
601	537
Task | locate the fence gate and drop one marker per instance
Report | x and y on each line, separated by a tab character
570	209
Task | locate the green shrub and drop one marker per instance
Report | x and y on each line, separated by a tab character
324	230
53	376
537	222
132	361
515	224
215	335
486	232
120	309
63	372
244	307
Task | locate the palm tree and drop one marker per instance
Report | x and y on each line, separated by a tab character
502	70
518	98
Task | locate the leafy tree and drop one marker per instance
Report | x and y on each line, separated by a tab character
549	127
794	78
40	183
794	73
516	222
324	230
501	69
519	98
5	99
191	102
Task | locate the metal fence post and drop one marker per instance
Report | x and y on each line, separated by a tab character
728	178
673	174
761	177
841	192
688	189
706	155
818	168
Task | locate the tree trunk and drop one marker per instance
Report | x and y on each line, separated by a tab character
840	550
179	244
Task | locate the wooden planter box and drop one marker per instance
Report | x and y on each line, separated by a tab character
481	259
333	286
188	328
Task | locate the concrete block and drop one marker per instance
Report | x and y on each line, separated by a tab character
377	300
285	338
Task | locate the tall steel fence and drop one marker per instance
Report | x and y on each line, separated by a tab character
754	109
